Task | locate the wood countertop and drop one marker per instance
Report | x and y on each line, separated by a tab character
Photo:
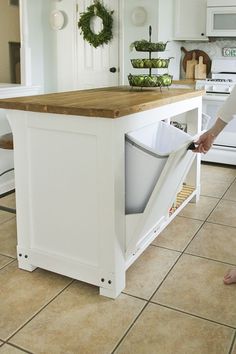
109	102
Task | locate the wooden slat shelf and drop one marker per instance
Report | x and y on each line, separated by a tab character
185	192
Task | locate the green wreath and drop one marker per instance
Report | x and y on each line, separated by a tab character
103	37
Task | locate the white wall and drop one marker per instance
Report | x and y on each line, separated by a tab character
133	33
53	52
66	46
41	42
165	24
9	32
160	17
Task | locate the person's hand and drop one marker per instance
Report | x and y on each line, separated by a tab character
204	143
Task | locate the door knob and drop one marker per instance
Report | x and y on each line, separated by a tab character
113	69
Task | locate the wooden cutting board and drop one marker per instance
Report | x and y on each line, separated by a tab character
190	67
200	69
188	56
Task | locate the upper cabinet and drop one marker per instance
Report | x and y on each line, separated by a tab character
190	20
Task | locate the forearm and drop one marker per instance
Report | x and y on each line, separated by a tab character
217	127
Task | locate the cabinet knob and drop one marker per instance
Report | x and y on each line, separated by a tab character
113	69
202	34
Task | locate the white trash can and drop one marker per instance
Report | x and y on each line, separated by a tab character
146	153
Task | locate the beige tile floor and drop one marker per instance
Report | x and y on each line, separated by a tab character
174	302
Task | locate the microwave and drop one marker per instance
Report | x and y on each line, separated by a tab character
221	18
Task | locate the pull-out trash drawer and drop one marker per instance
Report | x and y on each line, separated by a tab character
147	152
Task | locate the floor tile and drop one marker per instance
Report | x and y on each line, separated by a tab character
79	321
9	349
214	189
160	330
8	238
201	209
216	179
234	348
8	201
224	213
147	272
23	294
178	233
195	285
4	216
231	192
216	242
4	260
218	172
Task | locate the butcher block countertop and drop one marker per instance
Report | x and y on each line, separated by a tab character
109	102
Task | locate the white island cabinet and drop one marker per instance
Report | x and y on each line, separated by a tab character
70	179
190	20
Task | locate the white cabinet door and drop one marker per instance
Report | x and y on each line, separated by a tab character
190	20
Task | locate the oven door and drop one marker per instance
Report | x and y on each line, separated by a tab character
210	105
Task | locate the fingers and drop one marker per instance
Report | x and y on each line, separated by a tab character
201	149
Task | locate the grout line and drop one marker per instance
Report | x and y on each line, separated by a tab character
130	327
228	187
7	209
210	259
192	314
40	310
158	287
17	347
217	223
181	254
200	227
6	255
11	261
7	193
135	296
203	221
165	248
7	220
147	302
220	199
232	344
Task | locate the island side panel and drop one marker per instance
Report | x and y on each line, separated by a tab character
65	194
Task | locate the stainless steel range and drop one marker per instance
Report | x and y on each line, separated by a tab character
218	87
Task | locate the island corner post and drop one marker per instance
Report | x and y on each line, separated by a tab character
69	156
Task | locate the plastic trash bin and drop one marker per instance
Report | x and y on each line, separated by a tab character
146	153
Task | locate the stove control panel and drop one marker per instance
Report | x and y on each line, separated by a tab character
215	86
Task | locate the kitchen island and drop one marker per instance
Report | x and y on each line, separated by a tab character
69	155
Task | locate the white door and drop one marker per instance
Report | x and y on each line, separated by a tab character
98	67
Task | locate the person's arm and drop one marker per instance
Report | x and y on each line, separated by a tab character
225	115
206	140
